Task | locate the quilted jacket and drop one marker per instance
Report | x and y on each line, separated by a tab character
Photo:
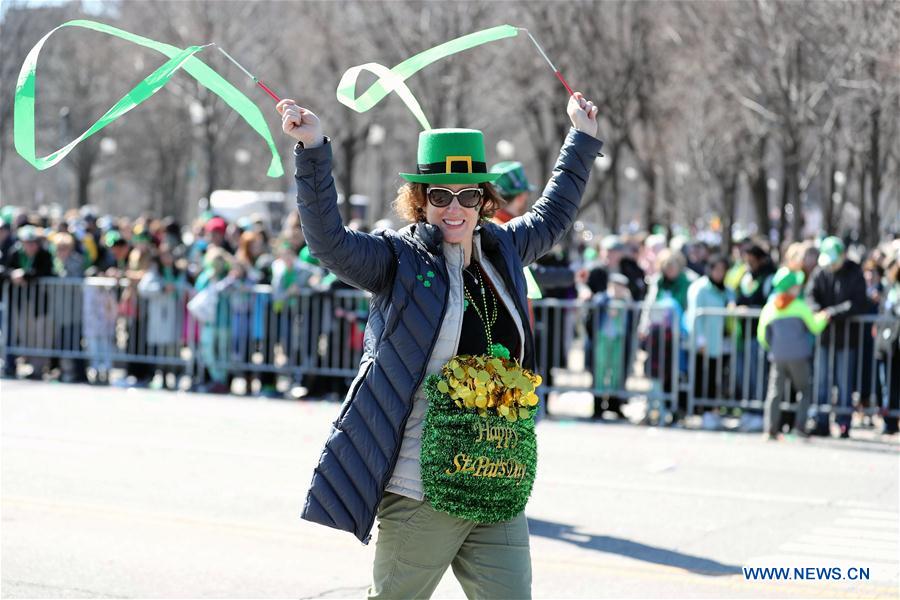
405	318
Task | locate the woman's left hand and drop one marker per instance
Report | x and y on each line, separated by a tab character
583	114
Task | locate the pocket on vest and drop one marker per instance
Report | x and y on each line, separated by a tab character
351	393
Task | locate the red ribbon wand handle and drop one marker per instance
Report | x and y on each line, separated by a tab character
549	62
250	75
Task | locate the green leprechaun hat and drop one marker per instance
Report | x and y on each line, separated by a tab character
451	156
512	180
785	279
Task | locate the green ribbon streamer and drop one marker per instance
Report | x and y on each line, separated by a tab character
393	80
23	124
533	290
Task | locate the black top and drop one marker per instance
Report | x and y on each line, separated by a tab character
504	331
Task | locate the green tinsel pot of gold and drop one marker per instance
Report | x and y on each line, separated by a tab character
479	450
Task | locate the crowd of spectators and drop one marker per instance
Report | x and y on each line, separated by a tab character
685	275
164	262
157	264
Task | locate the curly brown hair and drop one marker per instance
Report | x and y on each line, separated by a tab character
410	201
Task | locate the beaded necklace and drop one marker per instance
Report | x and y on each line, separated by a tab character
487	314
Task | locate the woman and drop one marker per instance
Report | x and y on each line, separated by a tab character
427	281
140	259
802	256
708	334
248	307
219	274
67	263
164	286
661	314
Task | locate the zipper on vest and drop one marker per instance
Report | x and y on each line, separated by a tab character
390	470
462	303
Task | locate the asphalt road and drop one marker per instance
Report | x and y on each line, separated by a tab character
117	493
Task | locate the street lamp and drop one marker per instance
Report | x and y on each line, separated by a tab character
506	149
377	133
108	146
197	113
64	128
242	156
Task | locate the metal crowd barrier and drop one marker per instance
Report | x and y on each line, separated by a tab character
611	348
308	333
853	374
104	322
97	319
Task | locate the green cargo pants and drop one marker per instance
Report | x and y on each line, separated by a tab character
416	544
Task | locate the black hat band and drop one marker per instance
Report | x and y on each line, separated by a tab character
462	164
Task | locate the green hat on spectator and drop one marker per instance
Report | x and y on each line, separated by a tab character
612	242
451	156
512	180
307	257
27	233
8	213
785	279
140	234
112	238
831	250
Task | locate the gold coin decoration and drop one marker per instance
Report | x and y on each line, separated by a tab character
490	385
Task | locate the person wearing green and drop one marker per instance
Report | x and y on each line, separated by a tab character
610	341
214	334
514	188
708	332
672	280
786	329
450	283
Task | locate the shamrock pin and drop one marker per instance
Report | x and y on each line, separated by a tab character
426	282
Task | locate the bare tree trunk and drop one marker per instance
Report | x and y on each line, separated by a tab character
614	202
212	171
796	199
542	149
845	195
782	219
870	237
830	188
85	159
730	203
862	196
84	182
170	187
650	197
759	186
790	194
799	217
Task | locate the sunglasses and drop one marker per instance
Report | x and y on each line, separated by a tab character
467	197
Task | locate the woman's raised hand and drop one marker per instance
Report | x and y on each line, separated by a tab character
300	123
583	114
